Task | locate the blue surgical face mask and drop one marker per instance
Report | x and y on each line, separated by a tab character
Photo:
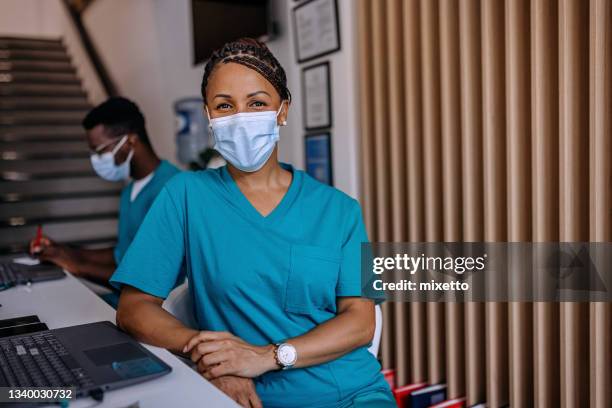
104	164
247	139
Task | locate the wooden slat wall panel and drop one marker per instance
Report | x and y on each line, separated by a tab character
494	154
451	182
545	192
472	188
600	350
381	128
518	136
414	153
381	152
573	171
432	176
600	190
475	119
395	95
395	79
366	91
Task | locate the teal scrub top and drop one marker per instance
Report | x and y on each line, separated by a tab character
131	214
264	279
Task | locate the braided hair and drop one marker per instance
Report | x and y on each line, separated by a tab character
252	54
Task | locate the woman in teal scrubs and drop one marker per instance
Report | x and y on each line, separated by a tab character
272	257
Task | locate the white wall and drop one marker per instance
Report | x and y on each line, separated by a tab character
21	17
125	35
50	19
344	76
282	48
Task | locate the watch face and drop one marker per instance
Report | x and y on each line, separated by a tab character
286	354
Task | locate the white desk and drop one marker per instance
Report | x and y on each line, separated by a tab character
67	302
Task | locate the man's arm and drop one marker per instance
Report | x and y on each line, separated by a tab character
94	264
104	256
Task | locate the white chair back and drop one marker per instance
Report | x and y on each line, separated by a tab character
377	331
179	304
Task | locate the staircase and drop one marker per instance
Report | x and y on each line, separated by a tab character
45	174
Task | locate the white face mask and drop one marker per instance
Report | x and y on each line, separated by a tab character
104	164
247	139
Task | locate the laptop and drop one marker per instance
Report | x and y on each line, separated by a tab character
12	273
92	358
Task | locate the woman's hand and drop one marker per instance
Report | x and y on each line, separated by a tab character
241	390
221	353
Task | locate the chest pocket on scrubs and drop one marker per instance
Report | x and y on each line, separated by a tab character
313	275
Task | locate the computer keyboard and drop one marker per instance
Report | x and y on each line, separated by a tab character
9	275
39	360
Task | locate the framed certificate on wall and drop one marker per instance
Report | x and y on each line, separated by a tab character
316	86
317	148
316	29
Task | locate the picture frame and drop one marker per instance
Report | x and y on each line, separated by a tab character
317	97
318	156
316	29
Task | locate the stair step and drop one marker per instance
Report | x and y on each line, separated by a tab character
58	187
30	43
14	170
43	150
59	208
43	133
40	89
33	65
44	103
42	117
39	55
40	77
17	238
45	172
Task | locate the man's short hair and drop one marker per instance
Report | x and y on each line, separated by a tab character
119	116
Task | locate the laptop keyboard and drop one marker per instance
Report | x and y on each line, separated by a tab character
40	360
8	275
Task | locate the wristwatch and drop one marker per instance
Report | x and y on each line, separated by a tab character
285	355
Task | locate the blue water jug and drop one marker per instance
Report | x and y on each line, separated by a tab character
192	136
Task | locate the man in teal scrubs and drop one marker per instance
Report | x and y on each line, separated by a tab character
120	150
262	278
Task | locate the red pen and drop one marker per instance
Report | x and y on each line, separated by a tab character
38	239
